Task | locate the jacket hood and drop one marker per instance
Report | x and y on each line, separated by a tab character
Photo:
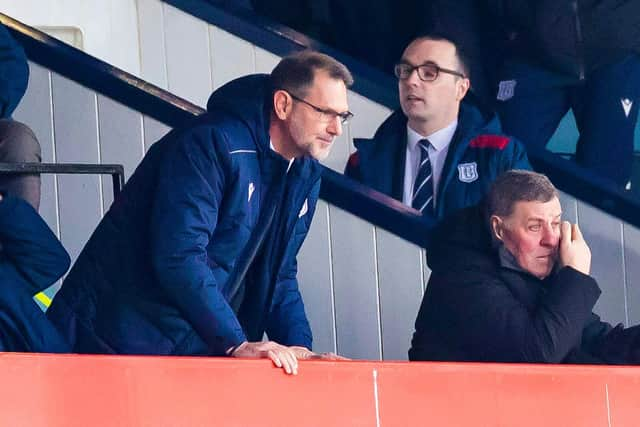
247	98
461	241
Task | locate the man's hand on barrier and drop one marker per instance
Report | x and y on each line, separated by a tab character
282	356
304	353
574	251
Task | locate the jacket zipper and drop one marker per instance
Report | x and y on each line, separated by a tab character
579	40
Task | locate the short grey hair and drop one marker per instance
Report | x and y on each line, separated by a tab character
518	186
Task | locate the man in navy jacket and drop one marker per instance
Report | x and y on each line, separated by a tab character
466	150
31	260
198	254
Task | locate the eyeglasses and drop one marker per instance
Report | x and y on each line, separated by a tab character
427	72
326	115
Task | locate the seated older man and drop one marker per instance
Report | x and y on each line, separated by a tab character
510	283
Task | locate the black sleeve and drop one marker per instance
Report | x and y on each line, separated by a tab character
615	345
479	315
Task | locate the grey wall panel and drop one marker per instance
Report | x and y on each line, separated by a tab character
153	61
35	110
603	233
153	131
355	286
265	61
400	282
76	136
569	207
231	57
426	271
187	51
339	154
121	140
315	281
368	116
632	271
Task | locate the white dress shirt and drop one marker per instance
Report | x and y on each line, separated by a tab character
274	150
438	150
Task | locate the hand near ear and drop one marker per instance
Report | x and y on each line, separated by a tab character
574	251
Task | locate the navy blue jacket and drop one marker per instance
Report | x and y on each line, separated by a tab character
156	274
380	162
31	260
476	309
14	73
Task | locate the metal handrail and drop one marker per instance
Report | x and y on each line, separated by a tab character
116	171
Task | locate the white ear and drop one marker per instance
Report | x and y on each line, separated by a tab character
497	227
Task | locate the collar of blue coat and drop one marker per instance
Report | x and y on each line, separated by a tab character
247	98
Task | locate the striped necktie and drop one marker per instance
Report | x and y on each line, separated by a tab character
423	186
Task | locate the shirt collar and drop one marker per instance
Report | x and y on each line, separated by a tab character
274	150
439	139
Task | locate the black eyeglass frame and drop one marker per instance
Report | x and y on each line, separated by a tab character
344	117
432	65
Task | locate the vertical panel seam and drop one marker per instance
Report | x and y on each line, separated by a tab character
99	148
423	276
210	57
139	22
164	45
377	287
54	154
331	282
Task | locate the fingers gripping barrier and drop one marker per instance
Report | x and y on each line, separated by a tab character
75	390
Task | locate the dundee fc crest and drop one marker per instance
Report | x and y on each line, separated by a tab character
468	172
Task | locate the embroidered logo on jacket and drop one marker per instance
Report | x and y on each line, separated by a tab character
303	209
468	172
506	90
251	189
626	105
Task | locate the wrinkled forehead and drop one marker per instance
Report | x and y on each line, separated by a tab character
536	210
440	52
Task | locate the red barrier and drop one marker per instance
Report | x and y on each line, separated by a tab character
73	390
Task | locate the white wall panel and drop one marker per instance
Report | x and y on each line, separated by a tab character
315	279
187	52
35	110
603	233
400	276
153	60
231	57
121	140
355	286
76	136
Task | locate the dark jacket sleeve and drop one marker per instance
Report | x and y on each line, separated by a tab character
615	345
14	73
288	322
185	214
30	245
518	157
480	316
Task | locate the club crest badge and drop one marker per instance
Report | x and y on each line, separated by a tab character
506	90
468	172
626	106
